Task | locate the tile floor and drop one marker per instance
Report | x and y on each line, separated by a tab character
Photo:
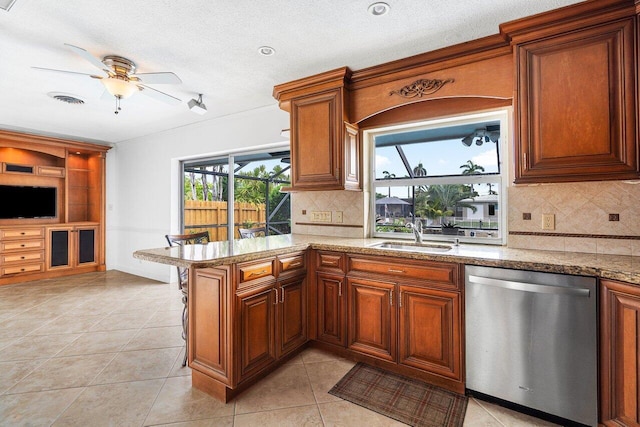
104	349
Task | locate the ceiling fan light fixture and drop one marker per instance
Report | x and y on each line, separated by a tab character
197	106
120	88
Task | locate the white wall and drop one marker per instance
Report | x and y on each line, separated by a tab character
143	181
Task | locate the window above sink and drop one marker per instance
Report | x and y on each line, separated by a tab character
448	173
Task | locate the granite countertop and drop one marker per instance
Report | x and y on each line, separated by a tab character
616	267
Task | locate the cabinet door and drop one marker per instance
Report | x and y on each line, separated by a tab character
59	254
292	315
372	318
331	309
256	308
316	144
87	245
576	105
210	323
429	328
619	354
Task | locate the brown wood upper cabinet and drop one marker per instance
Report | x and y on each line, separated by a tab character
325	148
576	101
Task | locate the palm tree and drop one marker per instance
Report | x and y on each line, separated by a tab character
442	200
471	168
419	170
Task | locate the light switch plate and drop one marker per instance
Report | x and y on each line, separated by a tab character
321	216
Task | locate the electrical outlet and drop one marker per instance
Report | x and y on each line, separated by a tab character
338	216
320	216
548	222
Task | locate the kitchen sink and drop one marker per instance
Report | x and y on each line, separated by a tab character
413	247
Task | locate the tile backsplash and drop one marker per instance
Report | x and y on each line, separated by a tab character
350	203
581	211
580	208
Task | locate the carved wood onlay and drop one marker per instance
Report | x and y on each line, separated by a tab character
421	87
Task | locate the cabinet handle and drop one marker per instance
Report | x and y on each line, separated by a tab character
281	296
339	289
276	301
391	297
392	270
400	299
524	160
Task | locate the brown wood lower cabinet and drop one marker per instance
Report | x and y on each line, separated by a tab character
332	326
429	330
242	325
372	318
620	353
407	314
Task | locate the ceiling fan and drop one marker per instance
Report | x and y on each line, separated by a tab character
119	78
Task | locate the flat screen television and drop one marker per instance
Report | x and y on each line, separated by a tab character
17	201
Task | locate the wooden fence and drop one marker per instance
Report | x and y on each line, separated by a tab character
202	215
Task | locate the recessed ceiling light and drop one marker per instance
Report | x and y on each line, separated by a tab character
378	8
266	50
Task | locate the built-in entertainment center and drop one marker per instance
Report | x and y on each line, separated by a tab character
52	207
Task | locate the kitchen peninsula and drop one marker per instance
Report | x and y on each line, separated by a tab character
255	302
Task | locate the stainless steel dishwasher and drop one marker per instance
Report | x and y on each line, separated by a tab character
531	339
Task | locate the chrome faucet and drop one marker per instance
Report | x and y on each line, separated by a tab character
416	227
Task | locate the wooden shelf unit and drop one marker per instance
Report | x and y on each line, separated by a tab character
77	170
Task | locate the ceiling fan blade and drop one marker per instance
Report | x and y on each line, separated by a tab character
166	78
89	57
160	96
66	72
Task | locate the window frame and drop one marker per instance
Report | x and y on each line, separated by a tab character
230	157
501	178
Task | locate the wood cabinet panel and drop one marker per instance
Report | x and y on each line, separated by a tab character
372	318
288	265
619	353
256	308
332	308
21	233
576	105
316	149
429	330
292	315
210	323
250	273
330	261
435	273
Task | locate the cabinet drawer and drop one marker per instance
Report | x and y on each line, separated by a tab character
24	268
20	245
14	258
251	271
440	274
20	233
51	171
330	261
288	263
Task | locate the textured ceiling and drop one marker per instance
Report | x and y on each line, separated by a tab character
212	46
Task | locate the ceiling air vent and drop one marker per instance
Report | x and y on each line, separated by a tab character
65	97
6	4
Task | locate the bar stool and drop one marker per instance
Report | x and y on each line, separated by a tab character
183	279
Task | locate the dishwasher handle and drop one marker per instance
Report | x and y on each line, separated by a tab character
529	287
